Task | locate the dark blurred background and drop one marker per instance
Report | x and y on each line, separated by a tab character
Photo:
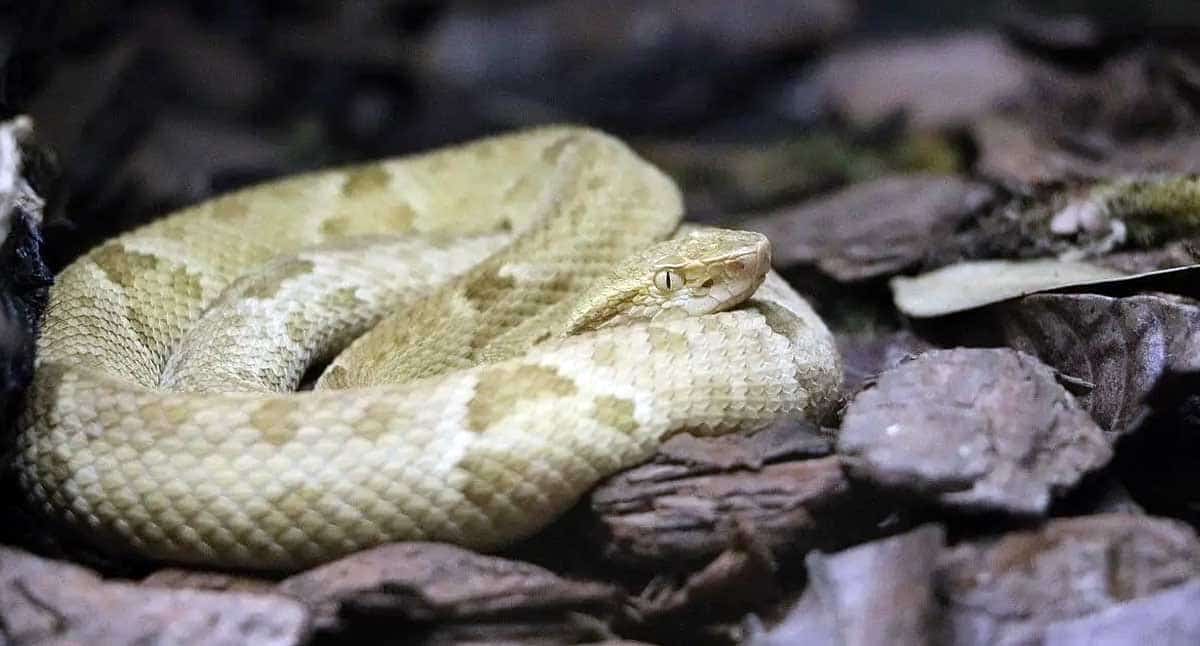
145	106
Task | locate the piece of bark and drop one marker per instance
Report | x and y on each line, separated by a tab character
1020	156
52	602
680	511
873	228
1168	618
201	580
1133	116
736	582
1123	346
1014	589
785	439
979	429
939	82
877	593
458	590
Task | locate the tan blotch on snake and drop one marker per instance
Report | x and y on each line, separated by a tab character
524	317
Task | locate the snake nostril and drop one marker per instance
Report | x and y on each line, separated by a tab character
707	284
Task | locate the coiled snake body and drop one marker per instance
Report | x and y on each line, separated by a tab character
506	357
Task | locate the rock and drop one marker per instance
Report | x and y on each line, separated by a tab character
873	228
450	592
52	602
1069	579
877	593
937	82
980	429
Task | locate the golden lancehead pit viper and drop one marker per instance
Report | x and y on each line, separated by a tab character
505	323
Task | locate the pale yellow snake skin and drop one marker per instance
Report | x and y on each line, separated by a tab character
155	426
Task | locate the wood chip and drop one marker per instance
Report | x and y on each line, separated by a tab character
983	429
54	602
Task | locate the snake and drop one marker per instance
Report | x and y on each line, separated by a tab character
454	345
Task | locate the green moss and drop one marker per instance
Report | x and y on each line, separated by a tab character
1154	210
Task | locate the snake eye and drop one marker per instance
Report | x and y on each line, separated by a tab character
668	281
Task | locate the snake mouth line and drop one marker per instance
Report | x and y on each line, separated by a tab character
755	265
739	293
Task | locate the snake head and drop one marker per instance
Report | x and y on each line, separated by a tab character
705	271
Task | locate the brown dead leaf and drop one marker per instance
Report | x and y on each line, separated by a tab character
1122	346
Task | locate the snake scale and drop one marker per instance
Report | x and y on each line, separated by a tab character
524	317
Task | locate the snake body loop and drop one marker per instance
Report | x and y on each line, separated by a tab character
496	376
